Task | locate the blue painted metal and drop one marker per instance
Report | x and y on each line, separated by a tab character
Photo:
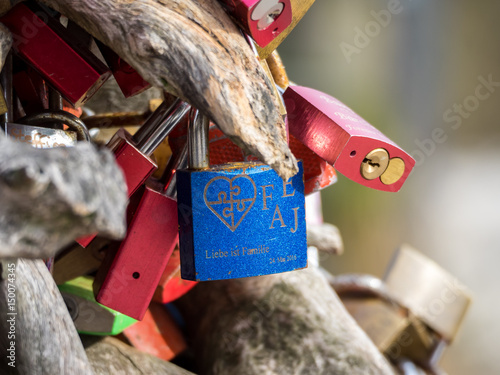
240	220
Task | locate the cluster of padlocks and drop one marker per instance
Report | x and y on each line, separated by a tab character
183	223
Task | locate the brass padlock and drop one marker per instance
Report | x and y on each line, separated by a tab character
299	9
393	329
432	294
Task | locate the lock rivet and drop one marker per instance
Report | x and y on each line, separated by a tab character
394	171
375	164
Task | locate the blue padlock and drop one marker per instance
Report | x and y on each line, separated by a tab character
237	220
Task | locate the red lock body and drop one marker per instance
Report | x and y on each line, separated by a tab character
31	90
144	253
45	45
130	82
171	285
157	334
340	136
142	257
263	20
134	157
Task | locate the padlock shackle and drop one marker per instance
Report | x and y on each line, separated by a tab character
168	179
159	125
198	140
62	117
361	284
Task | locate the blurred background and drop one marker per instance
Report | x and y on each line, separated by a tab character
418	73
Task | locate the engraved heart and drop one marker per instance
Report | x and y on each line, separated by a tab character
230	199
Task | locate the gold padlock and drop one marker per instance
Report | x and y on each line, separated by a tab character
437	298
299	9
392	328
78	261
278	70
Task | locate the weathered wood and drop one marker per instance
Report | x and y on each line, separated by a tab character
46	341
326	238
111	356
109	98
50	197
193	49
291	323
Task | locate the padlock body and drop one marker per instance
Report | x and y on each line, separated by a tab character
39	137
128	79
130	281
136	167
299	9
31	90
171	285
46	46
240	220
435	296
252	15
92	318
157	334
338	135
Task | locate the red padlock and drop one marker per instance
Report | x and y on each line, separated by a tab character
46	46
30	88
133	152
157	334
171	285
130	82
144	253
345	140
263	20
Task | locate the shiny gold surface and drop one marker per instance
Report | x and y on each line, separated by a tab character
299	9
393	172
278	70
375	164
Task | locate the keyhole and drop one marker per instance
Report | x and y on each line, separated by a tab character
136	275
374	164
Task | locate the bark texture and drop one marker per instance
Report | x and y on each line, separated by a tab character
49	197
46	341
193	49
111	356
291	323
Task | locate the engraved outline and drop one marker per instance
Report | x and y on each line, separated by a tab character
222	194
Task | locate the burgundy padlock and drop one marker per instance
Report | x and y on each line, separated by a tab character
133	152
48	47
128	279
130	82
263	20
30	88
345	140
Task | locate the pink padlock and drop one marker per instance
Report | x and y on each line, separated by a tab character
345	140
263	20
